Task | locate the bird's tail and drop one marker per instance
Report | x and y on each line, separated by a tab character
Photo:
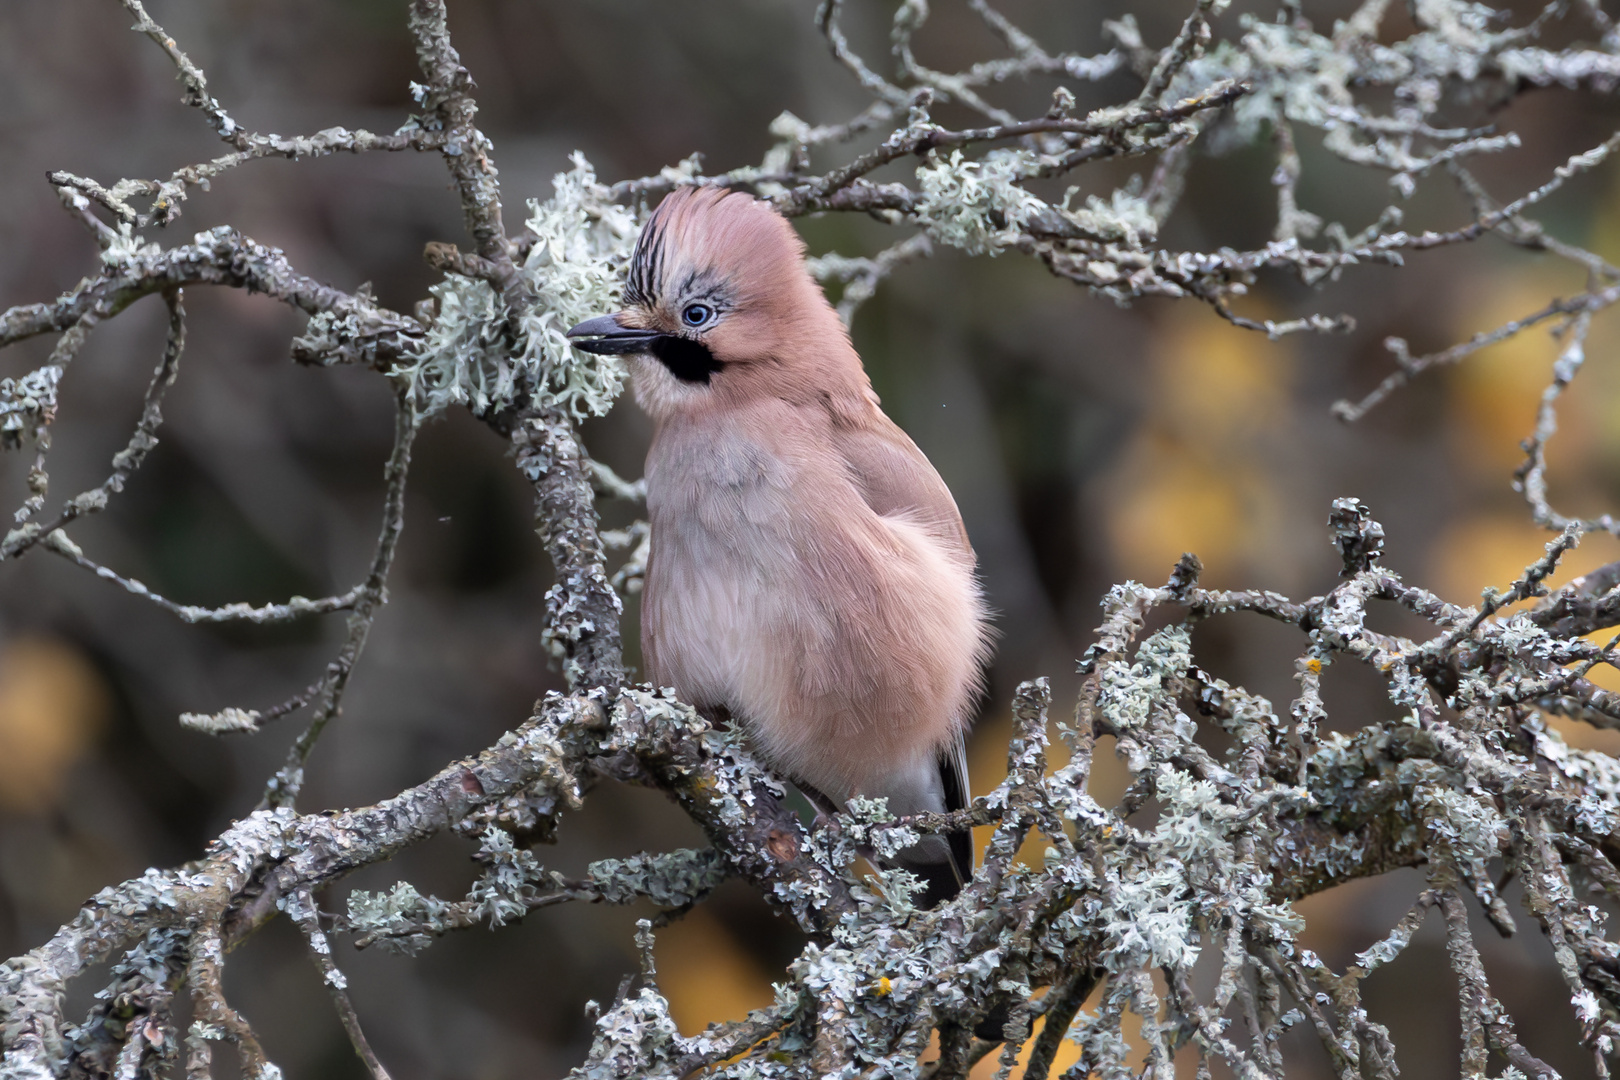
944	862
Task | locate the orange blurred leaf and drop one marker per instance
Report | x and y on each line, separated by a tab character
53	704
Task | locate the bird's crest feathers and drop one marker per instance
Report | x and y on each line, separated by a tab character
710	230
763	323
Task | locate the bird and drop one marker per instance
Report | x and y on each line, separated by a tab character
809	572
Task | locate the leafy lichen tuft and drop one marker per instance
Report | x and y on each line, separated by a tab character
481	355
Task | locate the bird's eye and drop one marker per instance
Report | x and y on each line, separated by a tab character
697	314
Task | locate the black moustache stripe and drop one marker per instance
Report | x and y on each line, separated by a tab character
689	361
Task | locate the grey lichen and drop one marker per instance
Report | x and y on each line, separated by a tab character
976	205
481	355
669	879
227	721
27	405
402	919
1196	867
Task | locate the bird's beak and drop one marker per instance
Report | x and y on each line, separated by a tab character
603	334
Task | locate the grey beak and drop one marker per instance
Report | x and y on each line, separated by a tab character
603	334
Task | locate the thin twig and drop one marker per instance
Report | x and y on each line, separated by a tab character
308	917
283	788
295	608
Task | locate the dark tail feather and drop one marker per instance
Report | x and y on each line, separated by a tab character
944	878
943	872
953	774
941	882
953	771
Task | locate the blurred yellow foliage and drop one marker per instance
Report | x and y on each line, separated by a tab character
53	704
1179	503
1216	381
1495	391
1195	477
706	975
1067	1053
1605	235
1493	549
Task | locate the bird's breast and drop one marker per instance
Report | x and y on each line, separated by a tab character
722	521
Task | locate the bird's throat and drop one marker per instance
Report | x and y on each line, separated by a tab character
689	361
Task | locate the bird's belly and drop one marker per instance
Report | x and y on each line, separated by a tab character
838	666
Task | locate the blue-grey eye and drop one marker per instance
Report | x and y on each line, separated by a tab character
697	314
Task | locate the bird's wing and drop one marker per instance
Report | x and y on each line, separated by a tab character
894	477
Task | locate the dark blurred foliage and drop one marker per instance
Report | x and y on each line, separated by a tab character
1085	443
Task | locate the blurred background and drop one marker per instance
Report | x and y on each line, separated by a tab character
1086	444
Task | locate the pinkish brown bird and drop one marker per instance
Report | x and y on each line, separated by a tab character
809	572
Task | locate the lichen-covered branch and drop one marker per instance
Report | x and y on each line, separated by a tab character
1458	771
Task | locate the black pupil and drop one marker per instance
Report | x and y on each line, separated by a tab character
696	315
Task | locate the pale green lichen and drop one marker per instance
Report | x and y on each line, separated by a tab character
669	879
1124	216
635	1038
862	814
1130	692
401	919
581	244
27	404
228	721
125	246
510	873
976	205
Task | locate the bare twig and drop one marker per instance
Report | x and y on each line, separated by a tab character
301	907
295	608
283	788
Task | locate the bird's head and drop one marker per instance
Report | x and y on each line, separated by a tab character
719	307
